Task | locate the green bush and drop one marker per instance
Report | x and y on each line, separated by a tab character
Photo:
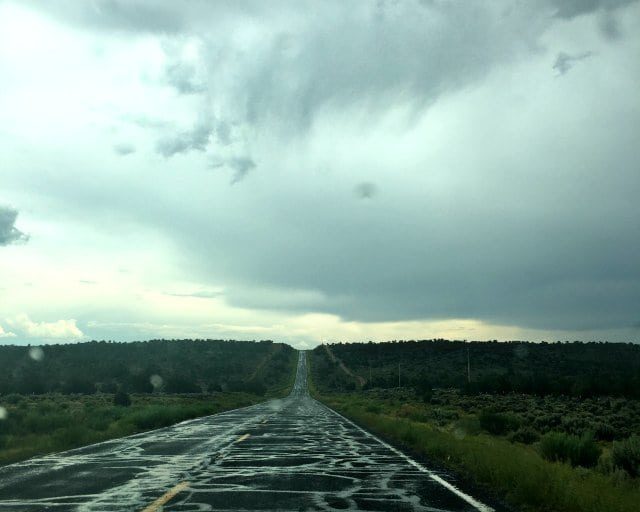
626	455
41	423
498	423
122	398
468	425
373	408
526	435
73	435
605	432
154	416
515	472
577	451
12	398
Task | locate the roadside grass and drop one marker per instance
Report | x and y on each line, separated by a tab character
516	472
33	425
42	424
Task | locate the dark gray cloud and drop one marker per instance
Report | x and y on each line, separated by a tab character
572	8
564	62
182	76
609	26
223	133
313	58
9	234
124	148
303	73
241	166
182	142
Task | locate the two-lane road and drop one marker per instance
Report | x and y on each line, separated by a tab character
291	454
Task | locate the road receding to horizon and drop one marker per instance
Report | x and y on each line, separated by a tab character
291	454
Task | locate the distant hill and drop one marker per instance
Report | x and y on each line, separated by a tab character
171	366
579	369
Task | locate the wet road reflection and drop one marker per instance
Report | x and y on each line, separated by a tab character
291	454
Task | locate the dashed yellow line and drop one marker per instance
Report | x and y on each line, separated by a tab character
242	438
166	497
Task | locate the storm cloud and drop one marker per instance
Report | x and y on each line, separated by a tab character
390	162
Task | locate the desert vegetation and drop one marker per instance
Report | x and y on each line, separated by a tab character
62	396
39	424
168	366
561	368
535	447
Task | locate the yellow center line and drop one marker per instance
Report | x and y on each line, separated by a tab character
242	438
166	497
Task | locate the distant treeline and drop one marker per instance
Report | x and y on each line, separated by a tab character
576	368
170	366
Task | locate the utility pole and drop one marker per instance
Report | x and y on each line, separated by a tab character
398	373
468	366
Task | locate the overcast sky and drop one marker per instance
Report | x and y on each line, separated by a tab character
307	171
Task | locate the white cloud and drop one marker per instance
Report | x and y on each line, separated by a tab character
5	334
25	327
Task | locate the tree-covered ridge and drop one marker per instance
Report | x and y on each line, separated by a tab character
172	366
579	369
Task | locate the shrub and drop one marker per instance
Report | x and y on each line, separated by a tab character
526	435
577	451
498	423
626	455
13	398
605	432
373	408
73	435
122	398
467	425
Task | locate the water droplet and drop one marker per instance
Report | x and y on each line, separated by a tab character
365	190
156	381
521	351
36	353
459	434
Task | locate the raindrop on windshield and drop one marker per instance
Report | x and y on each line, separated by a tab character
36	353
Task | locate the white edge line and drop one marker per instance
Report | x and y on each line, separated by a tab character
472	501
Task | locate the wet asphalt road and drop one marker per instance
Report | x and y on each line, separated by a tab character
293	454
